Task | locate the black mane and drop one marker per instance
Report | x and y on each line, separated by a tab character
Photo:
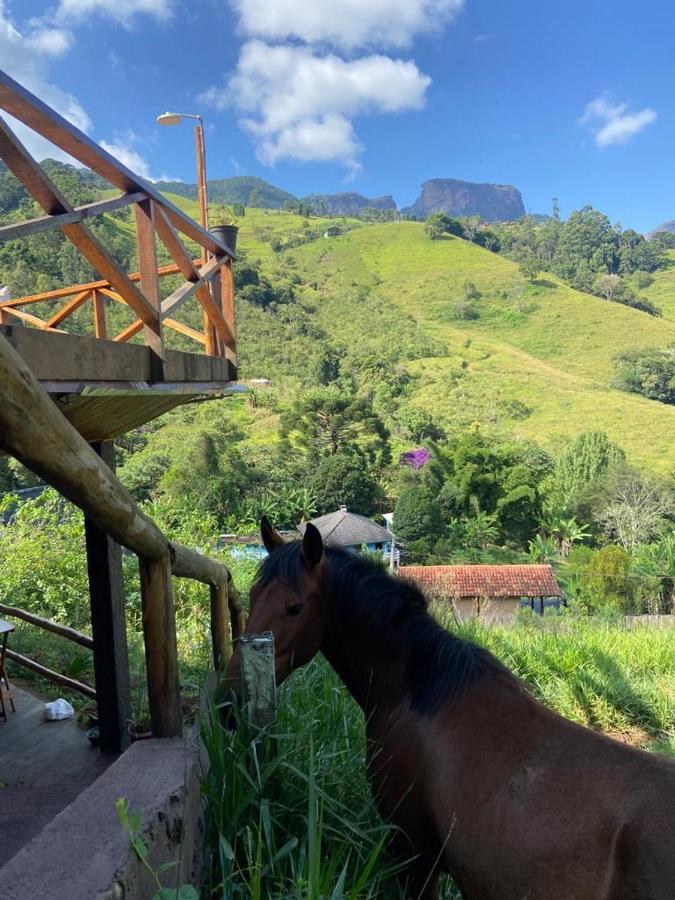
440	665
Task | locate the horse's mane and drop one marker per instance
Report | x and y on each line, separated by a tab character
440	665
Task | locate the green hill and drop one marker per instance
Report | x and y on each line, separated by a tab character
241	189
538	359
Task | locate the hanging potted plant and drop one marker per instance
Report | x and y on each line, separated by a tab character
224	225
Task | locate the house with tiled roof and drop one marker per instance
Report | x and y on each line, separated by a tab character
491	592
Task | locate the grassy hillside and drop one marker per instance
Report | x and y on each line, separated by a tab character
537	359
662	291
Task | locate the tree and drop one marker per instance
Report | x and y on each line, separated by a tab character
588	457
648	372
328	420
634	509
418	518
435	226
529	267
344	480
606	581
608	286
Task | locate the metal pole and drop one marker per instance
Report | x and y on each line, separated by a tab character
209	330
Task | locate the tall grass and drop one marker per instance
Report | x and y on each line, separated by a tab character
291	816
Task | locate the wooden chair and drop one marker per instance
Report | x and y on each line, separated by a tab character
5	687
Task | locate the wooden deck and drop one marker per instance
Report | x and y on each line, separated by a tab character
43	767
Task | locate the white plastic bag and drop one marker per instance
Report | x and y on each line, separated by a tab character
58	709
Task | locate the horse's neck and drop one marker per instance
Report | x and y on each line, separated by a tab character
370	665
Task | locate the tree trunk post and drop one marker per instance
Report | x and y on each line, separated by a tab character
106	598
161	652
220	637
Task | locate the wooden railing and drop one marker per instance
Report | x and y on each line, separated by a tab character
14	612
209	279
34	431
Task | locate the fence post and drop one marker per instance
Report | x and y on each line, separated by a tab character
220	638
108	626
161	652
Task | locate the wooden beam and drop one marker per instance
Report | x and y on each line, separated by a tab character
69	683
45	223
161	653
26	317
30	110
175	325
39	186
147	265
108	625
171	269
174	245
130	331
100	328
47	625
67	310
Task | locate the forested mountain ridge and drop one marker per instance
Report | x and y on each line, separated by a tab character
473	338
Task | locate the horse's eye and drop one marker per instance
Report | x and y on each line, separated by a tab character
294	610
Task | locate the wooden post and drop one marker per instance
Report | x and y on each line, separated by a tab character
220	637
258	679
106	598
147	265
100	329
161	653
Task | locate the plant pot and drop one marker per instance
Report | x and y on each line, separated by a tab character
139	732
227	234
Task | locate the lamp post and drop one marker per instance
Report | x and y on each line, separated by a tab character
174	118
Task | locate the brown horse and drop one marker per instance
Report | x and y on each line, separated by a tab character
484	782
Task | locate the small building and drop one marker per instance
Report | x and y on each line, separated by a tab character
489	592
332	231
352	532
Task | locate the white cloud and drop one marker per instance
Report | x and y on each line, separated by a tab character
612	123
344	23
128	156
122	11
26	55
300	105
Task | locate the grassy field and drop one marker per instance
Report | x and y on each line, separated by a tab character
662	291
299	822
538	358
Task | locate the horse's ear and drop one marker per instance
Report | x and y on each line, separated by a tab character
271	538
312	546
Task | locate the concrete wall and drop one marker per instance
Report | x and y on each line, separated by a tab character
490	610
83	854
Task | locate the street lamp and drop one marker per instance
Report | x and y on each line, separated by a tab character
174	118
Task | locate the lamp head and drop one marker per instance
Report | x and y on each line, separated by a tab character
169	118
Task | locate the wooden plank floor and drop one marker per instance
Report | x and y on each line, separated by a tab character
43	767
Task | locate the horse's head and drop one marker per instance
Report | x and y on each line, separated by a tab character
286	600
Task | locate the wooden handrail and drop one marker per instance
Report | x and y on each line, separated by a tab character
70	683
47	625
47	443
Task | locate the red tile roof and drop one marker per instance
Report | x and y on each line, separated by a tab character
485	581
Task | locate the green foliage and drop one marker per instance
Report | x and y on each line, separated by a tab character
583	461
418	517
329	420
530	267
650	373
345	480
607	582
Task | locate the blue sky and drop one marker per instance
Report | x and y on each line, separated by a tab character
570	99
